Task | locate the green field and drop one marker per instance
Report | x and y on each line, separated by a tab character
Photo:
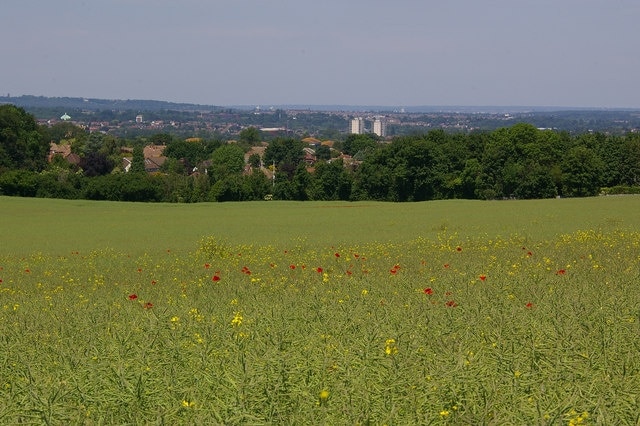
58	226
447	312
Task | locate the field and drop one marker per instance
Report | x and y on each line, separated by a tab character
452	312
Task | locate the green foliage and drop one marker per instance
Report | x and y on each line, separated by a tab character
518	162
356	143
285	153
22	145
227	159
250	135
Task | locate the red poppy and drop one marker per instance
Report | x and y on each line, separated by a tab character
207	266
428	291
446	265
482	277
529	254
148	305
393	271
451	304
133	296
27	270
458	248
561	272
139	269
319	270
356	255
337	254
448	293
154	282
529	305
215	278
349	273
292	266
246	270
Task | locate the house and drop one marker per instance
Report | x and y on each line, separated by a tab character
64	151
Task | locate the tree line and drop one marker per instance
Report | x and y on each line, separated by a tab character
520	161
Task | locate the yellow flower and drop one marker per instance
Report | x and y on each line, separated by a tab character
445	413
324	394
390	347
188	404
237	319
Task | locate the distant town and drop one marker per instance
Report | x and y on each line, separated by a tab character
132	118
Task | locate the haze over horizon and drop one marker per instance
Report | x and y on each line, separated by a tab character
564	53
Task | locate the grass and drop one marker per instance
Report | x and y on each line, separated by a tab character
452	312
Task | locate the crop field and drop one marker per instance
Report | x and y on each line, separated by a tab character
447	312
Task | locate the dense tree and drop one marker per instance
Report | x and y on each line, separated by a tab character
355	143
285	153
22	143
96	163
581	171
250	136
228	159
330	181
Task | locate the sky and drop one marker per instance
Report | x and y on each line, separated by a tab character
568	53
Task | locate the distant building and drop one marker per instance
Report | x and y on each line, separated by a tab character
138	118
380	127
65	117
356	126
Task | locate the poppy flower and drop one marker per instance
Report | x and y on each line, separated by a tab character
246	270
207	266
393	271
292	266
148	305
446	266
458	248
529	305
482	277
349	272
139	269
451	304
561	272
27	271
337	255
133	296
215	278
154	282
319	270
428	291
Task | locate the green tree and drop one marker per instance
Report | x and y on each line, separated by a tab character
285	153
22	143
355	143
250	136
581	171
137	163
228	159
330	181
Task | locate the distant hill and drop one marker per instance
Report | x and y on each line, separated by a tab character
90	104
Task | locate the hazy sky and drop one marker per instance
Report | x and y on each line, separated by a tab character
582	53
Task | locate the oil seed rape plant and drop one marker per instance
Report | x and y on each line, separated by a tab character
502	330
